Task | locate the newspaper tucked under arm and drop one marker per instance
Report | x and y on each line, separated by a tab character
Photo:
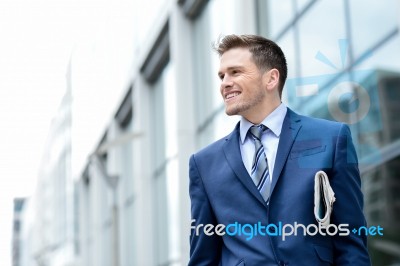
324	197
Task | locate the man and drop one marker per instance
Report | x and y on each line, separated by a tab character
263	173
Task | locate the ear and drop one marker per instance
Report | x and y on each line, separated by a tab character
271	79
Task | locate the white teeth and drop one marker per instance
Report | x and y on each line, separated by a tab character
231	95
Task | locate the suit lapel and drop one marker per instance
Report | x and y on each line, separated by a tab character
290	128
234	158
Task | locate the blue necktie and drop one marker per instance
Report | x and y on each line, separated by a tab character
259	169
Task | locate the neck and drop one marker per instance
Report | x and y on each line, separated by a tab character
257	115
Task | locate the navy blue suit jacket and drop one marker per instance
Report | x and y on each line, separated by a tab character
222	192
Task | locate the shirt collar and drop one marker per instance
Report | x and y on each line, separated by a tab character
273	121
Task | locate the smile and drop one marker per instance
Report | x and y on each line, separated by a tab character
231	95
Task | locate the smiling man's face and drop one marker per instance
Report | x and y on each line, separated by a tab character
241	83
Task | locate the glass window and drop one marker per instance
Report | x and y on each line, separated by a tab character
372	22
165	168
382	208
322	33
158	157
280	14
302	3
376	42
171	163
126	190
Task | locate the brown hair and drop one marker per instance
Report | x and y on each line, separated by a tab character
266	53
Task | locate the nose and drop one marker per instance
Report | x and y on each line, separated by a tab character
226	82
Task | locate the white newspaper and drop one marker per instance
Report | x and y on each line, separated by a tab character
324	197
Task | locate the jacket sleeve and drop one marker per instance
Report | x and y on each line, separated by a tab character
348	208
204	249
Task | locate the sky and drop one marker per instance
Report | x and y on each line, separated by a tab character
37	39
32	70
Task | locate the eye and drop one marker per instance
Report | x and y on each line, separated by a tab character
235	72
221	76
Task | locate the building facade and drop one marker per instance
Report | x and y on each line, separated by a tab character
16	236
131	200
335	52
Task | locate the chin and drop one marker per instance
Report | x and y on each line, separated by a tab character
229	111
232	111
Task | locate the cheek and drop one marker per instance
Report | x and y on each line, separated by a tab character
221	91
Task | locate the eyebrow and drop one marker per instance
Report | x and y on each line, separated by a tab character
231	68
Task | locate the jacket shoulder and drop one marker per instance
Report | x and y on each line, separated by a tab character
214	148
320	124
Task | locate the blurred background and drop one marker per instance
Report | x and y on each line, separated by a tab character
103	102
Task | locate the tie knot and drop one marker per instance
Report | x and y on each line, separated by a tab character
257	131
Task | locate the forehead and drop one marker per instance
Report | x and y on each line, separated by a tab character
236	57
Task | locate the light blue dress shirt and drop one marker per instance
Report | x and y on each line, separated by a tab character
270	138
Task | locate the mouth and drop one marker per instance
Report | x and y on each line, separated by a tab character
231	95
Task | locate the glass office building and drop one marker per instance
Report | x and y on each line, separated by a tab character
131	198
343	65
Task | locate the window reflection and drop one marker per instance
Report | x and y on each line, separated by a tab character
354	45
